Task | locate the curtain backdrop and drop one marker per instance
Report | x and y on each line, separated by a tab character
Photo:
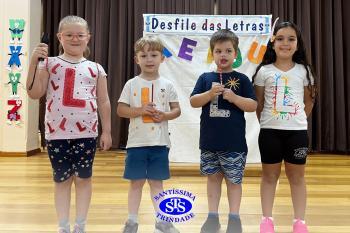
116	25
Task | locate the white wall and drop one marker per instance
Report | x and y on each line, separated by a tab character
22	137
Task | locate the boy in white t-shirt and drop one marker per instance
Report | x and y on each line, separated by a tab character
149	101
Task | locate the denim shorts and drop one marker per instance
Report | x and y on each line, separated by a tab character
71	157
149	162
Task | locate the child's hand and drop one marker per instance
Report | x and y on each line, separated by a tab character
158	116
216	90
40	51
148	109
229	95
105	141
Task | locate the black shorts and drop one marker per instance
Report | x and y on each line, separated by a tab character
71	157
289	145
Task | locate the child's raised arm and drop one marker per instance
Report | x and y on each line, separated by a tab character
37	88
175	111
245	104
199	100
124	110
104	107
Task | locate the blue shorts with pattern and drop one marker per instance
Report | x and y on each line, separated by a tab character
71	157
231	164
148	162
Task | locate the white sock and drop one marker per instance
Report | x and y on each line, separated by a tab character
64	224
263	217
133	217
81	223
295	220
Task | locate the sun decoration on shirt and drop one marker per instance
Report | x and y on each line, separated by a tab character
233	83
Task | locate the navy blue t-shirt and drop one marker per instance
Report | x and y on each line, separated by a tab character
222	126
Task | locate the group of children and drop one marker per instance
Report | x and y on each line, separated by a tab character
281	94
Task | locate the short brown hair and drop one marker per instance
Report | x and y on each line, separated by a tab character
224	35
153	42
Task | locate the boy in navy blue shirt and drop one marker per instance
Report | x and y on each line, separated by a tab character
224	97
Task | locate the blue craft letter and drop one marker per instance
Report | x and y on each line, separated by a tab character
166	52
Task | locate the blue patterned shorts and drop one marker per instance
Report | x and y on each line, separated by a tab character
231	164
71	157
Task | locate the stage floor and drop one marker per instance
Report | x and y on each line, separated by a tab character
26	196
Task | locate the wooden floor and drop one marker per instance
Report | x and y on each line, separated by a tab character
26	197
